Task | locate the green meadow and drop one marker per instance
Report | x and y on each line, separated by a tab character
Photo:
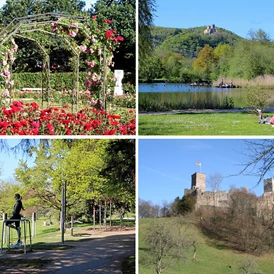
211	257
206	124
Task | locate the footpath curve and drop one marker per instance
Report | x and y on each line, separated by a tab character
102	254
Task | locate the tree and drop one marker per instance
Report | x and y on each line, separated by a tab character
248	266
261	158
165	209
147	209
259	36
122	14
223	54
82	165
146	10
251	59
257	97
13	9
205	61
7	191
167	241
188	204
214	183
151	69
241	224
184	205
119	171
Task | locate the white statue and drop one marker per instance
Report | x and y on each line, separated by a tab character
119	74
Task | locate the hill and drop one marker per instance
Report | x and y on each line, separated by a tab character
211	257
189	42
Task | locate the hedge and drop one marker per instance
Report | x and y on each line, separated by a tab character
58	81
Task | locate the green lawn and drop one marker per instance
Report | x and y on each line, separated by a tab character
211	258
219	124
51	234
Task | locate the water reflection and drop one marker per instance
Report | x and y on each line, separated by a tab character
235	93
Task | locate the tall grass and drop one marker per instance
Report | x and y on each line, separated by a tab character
162	101
265	80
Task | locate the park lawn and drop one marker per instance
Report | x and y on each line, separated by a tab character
219	124
211	258
51	234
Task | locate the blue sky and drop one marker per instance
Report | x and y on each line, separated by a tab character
8	162
88	3
238	16
166	166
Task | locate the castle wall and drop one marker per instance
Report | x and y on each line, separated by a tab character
208	198
264	207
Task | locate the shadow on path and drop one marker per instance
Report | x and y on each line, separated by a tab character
101	255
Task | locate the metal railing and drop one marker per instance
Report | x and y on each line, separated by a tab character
25	232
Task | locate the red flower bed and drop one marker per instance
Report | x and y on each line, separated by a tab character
29	119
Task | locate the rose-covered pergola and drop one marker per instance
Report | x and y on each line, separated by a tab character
95	43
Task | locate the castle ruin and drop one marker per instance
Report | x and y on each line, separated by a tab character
221	198
210	29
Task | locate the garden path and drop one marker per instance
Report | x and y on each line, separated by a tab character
99	253
199	111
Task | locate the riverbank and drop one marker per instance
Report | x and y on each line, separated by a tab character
265	82
201	111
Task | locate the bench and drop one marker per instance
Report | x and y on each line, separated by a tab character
32	89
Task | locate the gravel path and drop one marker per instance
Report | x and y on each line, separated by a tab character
98	254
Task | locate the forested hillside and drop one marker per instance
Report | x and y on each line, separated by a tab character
189	42
191	55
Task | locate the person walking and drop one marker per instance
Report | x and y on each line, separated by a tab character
18	206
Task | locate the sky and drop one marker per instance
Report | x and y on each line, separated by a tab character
166	166
238	16
88	3
9	161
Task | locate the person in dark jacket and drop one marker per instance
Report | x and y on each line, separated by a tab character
18	206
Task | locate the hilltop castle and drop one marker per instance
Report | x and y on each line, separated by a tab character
221	198
210	29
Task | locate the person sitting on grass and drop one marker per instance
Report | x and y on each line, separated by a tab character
263	119
16	215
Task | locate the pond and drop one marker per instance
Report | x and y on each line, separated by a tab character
235	93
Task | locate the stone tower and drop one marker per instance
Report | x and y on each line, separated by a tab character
269	186
198	181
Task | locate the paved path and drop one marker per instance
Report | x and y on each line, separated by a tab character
102	255
199	111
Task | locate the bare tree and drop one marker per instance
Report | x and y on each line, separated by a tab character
147	209
248	266
261	158
166	209
167	240
214	183
241	224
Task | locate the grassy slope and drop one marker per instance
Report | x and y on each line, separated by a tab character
211	259
219	124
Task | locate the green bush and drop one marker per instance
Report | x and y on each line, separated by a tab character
58	81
